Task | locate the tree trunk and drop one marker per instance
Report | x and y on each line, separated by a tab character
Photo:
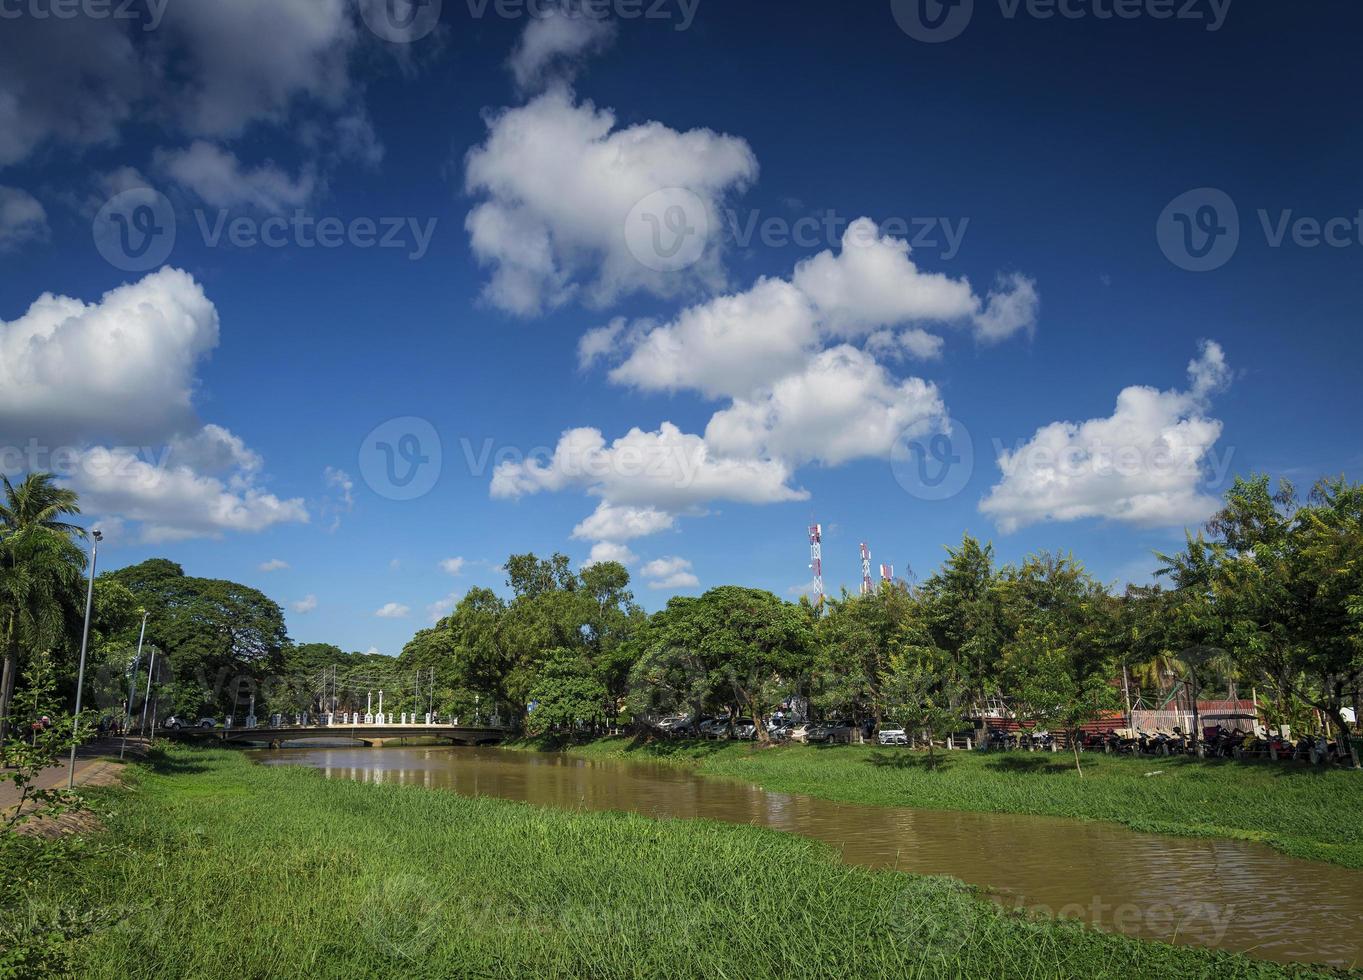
1345	735
6	682
760	729
1074	744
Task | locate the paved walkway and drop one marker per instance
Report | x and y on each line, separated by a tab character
96	765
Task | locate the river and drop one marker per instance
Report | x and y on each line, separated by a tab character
1222	893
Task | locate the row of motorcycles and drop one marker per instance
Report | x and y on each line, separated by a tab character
1224	743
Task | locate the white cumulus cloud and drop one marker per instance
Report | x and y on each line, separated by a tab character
734	344
665	469
1146	464
841	406
76	376
452	566
553	45
222	181
669	573
22	219
273	565
558	180
304	605
392	610
610	551
122	367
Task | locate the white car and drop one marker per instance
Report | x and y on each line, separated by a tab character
893	736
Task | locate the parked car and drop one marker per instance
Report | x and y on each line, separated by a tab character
676	725
208	723
744	728
893	736
840	733
713	728
174	723
817	733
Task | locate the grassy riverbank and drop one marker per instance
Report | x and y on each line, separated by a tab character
1304	811
212	866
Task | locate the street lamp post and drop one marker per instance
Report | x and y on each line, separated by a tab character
132	685
84	642
146	698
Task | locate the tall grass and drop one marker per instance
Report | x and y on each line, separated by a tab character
1305	811
222	868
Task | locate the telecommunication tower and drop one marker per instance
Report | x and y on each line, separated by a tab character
816	561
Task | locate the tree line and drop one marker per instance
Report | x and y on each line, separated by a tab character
1268	596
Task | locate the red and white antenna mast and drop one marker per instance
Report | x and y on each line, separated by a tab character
865	569
886	572
816	561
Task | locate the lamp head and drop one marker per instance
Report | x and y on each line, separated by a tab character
99	535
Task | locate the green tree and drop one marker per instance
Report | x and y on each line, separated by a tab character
856	641
1058	687
923	693
963	612
754	645
567	693
40	574
221	638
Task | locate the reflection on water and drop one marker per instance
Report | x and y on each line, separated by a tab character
1230	894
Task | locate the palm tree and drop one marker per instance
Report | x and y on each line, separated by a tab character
40	572
38	502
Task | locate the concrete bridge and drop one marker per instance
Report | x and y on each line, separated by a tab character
366	734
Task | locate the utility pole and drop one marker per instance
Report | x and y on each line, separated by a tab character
1126	691
132	685
84	643
146	698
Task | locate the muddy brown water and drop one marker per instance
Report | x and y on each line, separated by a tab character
1227	894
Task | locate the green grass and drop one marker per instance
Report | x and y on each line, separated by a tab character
1304	811
213	866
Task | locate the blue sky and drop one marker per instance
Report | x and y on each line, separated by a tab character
1042	169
